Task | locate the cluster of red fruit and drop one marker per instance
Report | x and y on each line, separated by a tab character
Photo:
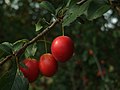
62	50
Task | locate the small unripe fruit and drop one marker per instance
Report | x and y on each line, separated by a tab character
90	52
31	72
48	65
102	62
101	74
62	48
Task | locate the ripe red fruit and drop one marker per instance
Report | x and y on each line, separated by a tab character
48	65
31	72
62	48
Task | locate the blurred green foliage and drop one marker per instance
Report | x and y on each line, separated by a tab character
101	36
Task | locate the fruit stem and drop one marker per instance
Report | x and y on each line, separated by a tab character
98	65
48	42
17	61
45	44
63	31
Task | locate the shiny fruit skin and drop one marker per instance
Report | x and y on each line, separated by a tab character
31	72
62	48
48	65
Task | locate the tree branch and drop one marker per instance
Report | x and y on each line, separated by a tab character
115	4
20	51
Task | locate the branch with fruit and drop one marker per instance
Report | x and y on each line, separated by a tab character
20	51
62	49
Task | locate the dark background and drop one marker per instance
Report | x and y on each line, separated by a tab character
100	36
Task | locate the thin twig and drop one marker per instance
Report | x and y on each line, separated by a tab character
100	70
20	51
98	65
81	2
5	59
48	42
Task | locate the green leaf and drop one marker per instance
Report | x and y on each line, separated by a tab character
75	11
30	50
5	48
23	65
1	53
58	10
48	6
5	67
18	44
20	83
68	3
38	27
96	10
7	79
